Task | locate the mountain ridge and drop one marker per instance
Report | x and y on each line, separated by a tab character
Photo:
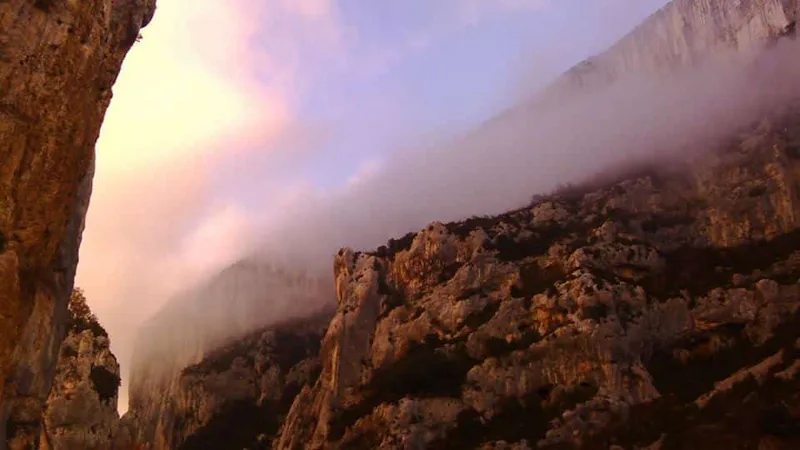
369	297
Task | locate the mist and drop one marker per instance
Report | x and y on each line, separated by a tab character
535	147
530	149
537	144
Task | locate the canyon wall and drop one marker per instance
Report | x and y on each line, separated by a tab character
658	308
682	34
566	313
58	62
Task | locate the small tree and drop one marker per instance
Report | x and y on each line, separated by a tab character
78	308
81	316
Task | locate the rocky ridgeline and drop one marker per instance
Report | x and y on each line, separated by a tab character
81	410
660	310
654	307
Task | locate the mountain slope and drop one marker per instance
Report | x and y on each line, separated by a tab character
592	317
447	337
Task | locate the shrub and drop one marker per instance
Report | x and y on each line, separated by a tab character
535	280
80	316
428	369
596	312
106	383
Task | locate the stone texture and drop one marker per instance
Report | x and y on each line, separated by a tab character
685	33
551	325
81	410
58	61
601	316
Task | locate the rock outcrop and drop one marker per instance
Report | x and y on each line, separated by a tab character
58	62
81	410
639	312
630	311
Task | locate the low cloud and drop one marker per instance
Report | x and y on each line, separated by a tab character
532	150
205	103
191	98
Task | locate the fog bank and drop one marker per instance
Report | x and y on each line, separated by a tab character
531	150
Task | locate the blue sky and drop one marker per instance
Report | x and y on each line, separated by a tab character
419	72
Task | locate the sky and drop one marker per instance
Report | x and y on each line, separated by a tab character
229	115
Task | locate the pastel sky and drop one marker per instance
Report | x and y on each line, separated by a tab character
228	112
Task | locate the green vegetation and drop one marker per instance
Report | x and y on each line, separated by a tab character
395	246
236	426
737	418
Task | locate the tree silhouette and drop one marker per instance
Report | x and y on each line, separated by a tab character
81	316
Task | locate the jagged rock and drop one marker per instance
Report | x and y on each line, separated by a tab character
58	61
556	334
82	407
236	396
593	317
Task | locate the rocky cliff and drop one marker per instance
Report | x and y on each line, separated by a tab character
658	308
237	395
81	411
631	310
248	297
682	34
58	62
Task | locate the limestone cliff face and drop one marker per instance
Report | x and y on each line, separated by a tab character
687	32
237	395
58	61
81	410
245	297
597	316
658	308
683	33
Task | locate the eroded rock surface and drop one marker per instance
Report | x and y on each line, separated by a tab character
58	62
81	410
625	315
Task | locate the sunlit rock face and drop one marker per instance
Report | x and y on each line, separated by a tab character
81	411
633	310
639	311
58	61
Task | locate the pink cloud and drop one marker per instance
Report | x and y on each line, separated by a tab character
192	95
